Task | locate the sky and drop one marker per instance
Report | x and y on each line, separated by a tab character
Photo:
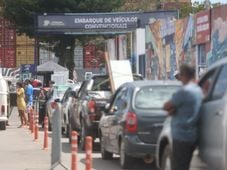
212	1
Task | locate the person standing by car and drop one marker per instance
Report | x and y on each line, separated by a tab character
184	109
51	89
29	95
21	105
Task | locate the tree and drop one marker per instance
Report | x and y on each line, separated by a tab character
194	8
23	13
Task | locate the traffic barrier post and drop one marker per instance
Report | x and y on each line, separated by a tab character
45	143
36	133
74	148
32	121
89	153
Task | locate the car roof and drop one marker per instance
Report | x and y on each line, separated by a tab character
218	63
143	83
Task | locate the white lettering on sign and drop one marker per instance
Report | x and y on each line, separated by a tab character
88	20
99	20
105	26
202	27
125	19
202	19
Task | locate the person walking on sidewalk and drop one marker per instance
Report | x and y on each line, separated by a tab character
184	110
21	105
29	96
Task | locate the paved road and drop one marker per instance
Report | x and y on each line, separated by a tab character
18	151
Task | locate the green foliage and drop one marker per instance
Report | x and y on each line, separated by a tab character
194	8
191	9
23	12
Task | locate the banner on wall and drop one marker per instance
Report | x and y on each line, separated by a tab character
202	22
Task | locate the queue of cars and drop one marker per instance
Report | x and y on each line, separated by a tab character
127	122
132	123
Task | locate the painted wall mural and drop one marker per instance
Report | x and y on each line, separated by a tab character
218	35
170	43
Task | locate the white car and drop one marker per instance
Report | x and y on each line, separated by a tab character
4	102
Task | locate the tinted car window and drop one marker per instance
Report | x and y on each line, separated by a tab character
221	84
206	82
120	100
101	83
153	96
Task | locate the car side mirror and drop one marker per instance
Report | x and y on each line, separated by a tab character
107	107
115	109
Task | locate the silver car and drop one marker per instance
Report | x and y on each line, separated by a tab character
213	122
66	102
56	94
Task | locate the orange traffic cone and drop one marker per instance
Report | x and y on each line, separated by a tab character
74	150
32	121
88	153
36	126
45	143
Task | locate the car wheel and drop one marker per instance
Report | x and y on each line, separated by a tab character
105	154
166	159
3	125
83	135
125	160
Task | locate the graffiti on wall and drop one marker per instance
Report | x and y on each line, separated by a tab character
168	44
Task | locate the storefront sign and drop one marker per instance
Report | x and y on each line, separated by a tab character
202	27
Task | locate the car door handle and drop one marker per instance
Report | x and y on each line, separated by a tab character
219	113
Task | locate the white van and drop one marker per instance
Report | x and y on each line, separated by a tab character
4	102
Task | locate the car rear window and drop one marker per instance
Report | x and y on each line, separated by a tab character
101	83
153	97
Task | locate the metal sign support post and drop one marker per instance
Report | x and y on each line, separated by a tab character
56	148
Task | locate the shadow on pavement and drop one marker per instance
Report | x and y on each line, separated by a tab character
66	148
138	164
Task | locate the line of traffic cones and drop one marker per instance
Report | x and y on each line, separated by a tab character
34	128
74	149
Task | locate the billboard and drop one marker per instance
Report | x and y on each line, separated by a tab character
82	23
202	21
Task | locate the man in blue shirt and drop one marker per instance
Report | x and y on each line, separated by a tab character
184	108
29	95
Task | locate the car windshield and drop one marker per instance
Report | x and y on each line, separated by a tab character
153	97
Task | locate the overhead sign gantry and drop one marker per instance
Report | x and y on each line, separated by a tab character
97	23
